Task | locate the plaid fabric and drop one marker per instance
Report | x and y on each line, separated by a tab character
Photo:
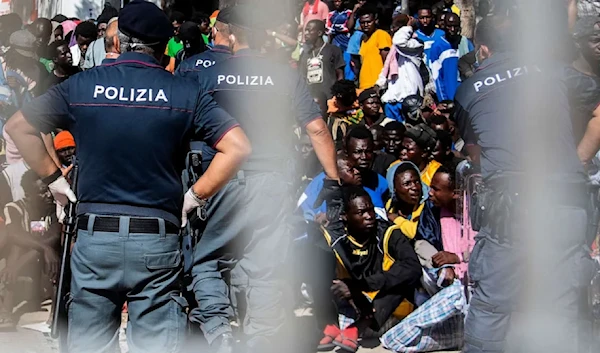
345	321
588	8
436	325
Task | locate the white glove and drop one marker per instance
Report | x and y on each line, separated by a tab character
191	201
62	193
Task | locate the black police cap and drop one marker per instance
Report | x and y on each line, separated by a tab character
243	16
143	20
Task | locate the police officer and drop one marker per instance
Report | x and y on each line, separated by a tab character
193	67
247	218
529	264
131	121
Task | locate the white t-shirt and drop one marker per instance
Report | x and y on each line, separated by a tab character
76	54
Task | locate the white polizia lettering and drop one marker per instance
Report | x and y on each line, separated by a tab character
130	94
204	63
503	76
239	80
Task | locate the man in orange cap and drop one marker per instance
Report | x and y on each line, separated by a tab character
64	144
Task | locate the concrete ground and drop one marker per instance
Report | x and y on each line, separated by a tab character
30	341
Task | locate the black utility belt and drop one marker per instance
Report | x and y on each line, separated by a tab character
136	225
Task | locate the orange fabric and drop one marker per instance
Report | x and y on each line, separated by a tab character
171	66
214	14
333	107
63	139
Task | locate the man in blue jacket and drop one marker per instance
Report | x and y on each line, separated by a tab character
443	58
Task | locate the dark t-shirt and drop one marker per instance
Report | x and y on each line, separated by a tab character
331	58
584	97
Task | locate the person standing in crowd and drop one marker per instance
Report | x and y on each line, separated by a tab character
191	38
128	248
64	145
41	28
258	188
375	46
62	61
400	75
312	10
446	6
112	46
174	45
97	51
322	64
427	33
545	181
203	22
583	79
443	59
9	24
340	24
85	33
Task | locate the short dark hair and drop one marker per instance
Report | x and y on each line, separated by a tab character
86	29
445	139
437	120
359	132
350	193
495	32
343	88
177	16
29	178
449	168
320	24
53	48
200	17
367	9
424	7
395	126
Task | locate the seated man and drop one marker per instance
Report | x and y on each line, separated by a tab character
417	147
350	176
408	197
439	323
32	231
377	271
359	149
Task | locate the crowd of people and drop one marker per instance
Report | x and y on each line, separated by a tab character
389	255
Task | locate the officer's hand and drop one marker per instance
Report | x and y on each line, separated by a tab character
62	193
190	202
340	289
445	258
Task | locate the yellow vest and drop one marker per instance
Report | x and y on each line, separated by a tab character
405	306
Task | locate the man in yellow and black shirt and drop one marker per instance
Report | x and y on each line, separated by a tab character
377	270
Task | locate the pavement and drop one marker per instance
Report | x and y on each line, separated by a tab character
31	341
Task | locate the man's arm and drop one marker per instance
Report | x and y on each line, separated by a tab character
590	144
232	150
30	144
43	114
320	137
572	13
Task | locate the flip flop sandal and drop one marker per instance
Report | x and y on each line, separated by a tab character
346	344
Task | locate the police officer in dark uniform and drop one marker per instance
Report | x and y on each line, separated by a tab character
247	219
131	121
529	264
192	69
